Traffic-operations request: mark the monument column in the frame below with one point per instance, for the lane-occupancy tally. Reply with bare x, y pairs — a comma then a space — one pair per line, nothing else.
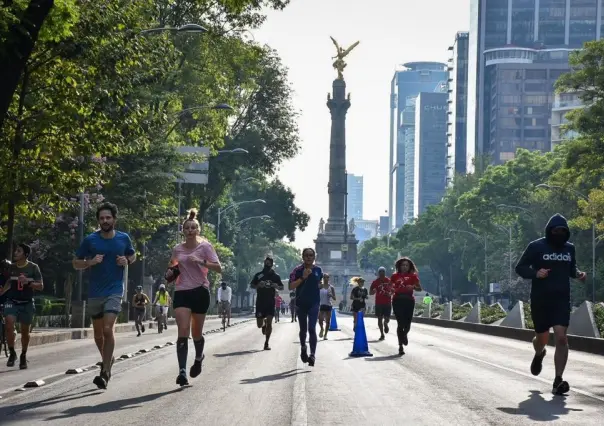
336, 247
338, 107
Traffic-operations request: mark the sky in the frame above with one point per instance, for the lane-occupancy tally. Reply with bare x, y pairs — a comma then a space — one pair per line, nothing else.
391, 33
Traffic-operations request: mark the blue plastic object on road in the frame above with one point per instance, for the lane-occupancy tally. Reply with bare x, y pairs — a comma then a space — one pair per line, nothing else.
333, 323
360, 347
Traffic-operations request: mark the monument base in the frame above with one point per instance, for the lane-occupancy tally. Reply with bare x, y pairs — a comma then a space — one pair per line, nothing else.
338, 259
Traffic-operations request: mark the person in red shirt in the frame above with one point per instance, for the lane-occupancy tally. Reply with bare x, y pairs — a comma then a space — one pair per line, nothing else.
404, 282
382, 288
278, 301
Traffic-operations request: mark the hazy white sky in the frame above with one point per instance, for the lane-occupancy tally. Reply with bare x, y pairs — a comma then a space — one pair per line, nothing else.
391, 32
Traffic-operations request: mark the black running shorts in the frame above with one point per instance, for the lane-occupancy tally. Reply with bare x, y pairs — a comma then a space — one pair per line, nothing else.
550, 313
264, 310
325, 308
197, 300
383, 310
357, 305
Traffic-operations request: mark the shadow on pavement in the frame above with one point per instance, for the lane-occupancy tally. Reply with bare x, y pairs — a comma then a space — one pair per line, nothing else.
273, 377
342, 339
118, 405
237, 353
538, 409
384, 358
13, 409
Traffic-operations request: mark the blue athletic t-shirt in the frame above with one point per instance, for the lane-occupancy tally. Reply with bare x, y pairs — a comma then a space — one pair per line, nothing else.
106, 278
307, 293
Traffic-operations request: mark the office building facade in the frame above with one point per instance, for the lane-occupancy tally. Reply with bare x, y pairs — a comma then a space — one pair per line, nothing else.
430, 150
354, 201
563, 104
411, 79
458, 105
516, 49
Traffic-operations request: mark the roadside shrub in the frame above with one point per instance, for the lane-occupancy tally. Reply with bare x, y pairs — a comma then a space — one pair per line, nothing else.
528, 321
490, 314
598, 310
461, 311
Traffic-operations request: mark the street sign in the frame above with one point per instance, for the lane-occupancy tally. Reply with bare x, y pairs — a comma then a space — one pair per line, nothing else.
195, 173
344, 247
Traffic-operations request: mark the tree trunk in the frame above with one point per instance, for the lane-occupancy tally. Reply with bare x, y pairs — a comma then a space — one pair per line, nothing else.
19, 44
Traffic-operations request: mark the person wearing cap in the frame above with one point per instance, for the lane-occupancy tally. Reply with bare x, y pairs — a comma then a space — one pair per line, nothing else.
19, 307
162, 300
382, 288
266, 283
140, 301
358, 295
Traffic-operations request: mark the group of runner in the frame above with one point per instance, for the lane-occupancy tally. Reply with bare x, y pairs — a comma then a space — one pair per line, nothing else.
549, 262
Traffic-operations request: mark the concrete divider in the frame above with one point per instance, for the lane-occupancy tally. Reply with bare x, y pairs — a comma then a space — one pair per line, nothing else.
576, 343
515, 318
44, 337
427, 311
447, 312
583, 323
474, 315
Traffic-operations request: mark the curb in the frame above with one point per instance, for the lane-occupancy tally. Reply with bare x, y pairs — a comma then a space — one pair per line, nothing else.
63, 335
576, 343
123, 357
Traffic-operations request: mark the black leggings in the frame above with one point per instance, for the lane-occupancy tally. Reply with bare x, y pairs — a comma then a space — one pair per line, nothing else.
403, 308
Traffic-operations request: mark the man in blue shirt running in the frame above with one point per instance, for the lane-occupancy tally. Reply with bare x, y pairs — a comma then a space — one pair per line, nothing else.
306, 281
106, 252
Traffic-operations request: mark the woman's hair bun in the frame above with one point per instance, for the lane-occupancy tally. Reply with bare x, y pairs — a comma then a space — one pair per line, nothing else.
192, 214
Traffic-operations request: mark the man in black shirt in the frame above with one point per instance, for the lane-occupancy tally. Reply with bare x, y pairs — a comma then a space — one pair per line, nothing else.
292, 305
266, 283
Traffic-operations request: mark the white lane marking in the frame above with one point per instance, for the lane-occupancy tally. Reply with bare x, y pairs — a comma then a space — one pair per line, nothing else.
520, 373
299, 408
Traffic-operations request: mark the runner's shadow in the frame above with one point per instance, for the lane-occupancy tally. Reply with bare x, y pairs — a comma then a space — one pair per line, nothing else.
273, 377
237, 353
117, 405
538, 409
9, 410
342, 339
384, 358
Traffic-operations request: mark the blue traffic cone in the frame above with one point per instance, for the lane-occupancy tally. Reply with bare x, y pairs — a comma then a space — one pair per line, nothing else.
360, 347
333, 323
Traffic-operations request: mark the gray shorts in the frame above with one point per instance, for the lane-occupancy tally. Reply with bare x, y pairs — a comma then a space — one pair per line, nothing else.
97, 307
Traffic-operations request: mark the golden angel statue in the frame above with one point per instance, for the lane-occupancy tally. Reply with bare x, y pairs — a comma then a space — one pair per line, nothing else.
339, 63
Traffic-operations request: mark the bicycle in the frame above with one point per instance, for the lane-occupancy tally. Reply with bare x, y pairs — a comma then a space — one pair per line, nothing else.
162, 312
223, 308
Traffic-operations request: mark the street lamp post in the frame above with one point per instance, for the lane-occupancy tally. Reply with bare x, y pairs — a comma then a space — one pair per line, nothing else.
187, 28
594, 239
229, 207
486, 275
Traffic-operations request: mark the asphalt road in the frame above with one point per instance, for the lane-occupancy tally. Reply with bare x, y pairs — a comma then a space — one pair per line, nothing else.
448, 377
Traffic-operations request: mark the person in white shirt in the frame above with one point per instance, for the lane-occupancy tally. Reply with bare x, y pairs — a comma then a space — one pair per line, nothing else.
225, 293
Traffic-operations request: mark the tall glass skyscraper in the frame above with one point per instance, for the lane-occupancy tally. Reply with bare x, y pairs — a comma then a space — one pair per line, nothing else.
354, 200
407, 83
458, 106
430, 150
517, 49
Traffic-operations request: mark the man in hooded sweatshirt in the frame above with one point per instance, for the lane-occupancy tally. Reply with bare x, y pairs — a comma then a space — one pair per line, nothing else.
550, 263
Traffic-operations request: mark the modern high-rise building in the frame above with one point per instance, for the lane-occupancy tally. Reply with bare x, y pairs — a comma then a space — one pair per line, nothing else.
413, 78
430, 150
563, 104
517, 50
458, 106
354, 201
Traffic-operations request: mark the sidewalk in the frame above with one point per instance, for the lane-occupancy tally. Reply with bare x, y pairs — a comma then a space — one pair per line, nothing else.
47, 335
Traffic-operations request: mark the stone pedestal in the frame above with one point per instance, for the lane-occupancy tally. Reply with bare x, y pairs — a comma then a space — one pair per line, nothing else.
78, 314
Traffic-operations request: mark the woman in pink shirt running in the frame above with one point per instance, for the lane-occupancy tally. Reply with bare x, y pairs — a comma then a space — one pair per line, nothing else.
189, 265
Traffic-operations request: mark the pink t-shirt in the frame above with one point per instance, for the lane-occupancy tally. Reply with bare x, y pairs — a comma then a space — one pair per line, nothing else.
193, 275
